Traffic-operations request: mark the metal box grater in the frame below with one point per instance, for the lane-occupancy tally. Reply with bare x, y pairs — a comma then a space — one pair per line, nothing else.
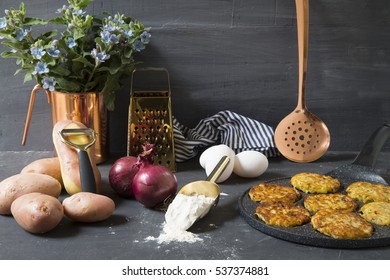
150, 120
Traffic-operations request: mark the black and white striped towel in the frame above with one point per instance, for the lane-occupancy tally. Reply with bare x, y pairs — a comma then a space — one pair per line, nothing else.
236, 131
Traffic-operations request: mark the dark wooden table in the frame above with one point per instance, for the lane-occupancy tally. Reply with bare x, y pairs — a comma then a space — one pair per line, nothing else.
225, 233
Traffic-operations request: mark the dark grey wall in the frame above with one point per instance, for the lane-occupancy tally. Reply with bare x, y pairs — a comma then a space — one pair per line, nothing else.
239, 55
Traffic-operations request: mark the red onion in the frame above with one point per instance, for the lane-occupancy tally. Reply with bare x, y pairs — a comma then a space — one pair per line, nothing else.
121, 175
153, 184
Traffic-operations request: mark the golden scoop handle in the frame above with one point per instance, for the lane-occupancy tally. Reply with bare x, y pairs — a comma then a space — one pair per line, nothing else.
218, 169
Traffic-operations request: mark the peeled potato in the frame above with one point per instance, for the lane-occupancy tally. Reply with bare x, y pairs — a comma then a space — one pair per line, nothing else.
37, 212
88, 207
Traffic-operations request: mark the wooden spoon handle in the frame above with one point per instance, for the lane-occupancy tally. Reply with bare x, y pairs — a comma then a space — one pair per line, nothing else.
302, 7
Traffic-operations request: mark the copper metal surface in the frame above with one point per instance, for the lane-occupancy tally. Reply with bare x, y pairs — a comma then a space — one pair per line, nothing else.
87, 108
302, 136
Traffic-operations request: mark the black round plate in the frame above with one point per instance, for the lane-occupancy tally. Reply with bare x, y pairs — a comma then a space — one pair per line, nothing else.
305, 234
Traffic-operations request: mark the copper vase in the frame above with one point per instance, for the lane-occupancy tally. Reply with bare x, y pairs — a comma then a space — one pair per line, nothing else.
87, 108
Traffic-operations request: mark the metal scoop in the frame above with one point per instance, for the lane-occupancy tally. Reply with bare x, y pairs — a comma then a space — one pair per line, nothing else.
181, 214
207, 187
81, 139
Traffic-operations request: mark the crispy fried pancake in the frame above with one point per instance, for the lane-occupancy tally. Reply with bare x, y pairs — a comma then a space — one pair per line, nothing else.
283, 214
367, 192
271, 193
315, 183
377, 213
331, 201
342, 225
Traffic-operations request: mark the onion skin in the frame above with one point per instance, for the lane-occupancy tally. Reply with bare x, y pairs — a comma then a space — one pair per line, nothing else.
153, 184
121, 175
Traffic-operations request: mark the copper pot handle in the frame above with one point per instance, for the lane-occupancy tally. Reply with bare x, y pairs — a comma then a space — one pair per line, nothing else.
30, 109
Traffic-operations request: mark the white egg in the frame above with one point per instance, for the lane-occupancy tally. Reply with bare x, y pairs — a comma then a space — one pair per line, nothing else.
219, 150
250, 164
214, 156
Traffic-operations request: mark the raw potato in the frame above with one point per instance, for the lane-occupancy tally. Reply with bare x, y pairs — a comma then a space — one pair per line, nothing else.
68, 158
48, 166
20, 184
37, 212
88, 207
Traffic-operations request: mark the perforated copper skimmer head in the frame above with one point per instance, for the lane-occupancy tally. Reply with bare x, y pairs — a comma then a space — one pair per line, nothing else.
302, 136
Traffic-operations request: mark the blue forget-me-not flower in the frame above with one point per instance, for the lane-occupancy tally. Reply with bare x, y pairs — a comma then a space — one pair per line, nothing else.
53, 51
71, 43
145, 37
109, 38
40, 68
48, 83
21, 33
37, 52
3, 23
99, 56
138, 45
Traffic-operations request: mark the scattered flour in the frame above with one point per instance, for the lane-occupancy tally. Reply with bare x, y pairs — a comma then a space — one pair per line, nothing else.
182, 213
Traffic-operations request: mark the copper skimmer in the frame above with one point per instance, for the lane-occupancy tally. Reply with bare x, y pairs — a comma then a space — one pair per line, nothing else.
301, 136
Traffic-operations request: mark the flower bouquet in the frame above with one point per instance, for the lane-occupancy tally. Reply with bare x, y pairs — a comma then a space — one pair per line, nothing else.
85, 54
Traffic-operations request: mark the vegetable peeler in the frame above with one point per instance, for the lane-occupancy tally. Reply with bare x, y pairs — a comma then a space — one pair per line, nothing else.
81, 139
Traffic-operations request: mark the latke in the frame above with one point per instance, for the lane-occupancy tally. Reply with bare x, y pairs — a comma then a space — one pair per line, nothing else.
332, 201
341, 225
376, 212
271, 193
283, 214
315, 183
368, 192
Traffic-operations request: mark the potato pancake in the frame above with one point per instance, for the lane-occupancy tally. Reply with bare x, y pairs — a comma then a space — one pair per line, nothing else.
332, 201
377, 213
315, 183
271, 193
283, 214
368, 192
341, 225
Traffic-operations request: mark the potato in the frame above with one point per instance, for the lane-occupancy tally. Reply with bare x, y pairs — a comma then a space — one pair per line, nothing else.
37, 212
19, 184
48, 166
68, 158
88, 207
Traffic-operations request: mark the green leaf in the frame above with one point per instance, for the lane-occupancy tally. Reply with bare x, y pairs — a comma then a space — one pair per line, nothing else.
128, 52
11, 55
115, 65
48, 35
15, 45
6, 34
60, 71
109, 91
35, 21
22, 8
84, 3
98, 41
28, 77
84, 61
49, 60
103, 69
78, 33
58, 20
67, 85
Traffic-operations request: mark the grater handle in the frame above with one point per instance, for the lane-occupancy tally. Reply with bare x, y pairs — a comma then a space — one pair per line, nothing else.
154, 69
